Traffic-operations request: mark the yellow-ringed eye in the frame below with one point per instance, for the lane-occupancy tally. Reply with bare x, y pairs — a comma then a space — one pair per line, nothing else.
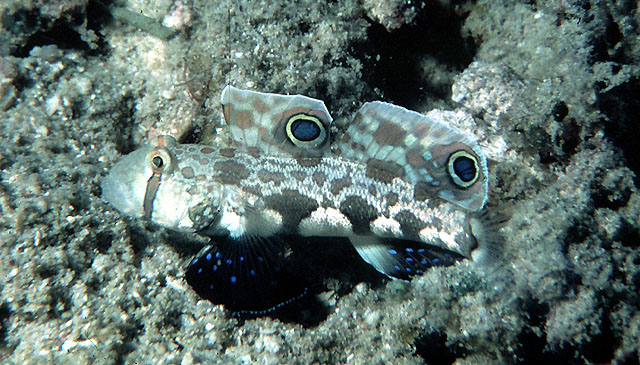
160, 159
463, 168
157, 162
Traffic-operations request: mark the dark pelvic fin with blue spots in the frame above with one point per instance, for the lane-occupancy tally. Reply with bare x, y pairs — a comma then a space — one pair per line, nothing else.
246, 275
402, 259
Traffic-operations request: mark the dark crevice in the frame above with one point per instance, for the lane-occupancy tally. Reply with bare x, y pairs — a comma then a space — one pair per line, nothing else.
601, 348
628, 235
103, 241
5, 313
62, 32
532, 348
614, 197
124, 129
397, 57
129, 331
59, 301
621, 105
433, 348
603, 46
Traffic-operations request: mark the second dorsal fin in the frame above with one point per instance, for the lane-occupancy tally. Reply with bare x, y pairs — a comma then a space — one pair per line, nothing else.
293, 125
439, 160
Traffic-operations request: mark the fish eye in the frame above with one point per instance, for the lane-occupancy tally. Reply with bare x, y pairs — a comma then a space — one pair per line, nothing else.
160, 159
463, 168
305, 130
157, 162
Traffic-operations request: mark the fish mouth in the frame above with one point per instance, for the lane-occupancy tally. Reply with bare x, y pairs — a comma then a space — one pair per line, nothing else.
124, 186
120, 196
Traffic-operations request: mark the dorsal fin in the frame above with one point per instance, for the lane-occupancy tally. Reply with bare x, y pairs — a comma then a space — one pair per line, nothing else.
293, 125
437, 159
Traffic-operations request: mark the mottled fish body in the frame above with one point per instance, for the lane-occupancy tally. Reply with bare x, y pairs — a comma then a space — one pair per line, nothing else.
402, 187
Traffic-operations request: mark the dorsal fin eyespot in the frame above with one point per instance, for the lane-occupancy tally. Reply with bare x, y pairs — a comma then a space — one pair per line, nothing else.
264, 121
439, 160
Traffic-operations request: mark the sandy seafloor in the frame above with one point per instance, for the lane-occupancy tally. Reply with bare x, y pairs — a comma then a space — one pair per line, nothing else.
554, 88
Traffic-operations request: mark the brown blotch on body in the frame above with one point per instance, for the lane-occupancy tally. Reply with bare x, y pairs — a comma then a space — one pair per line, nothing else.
243, 120
252, 189
207, 150
264, 133
187, 172
273, 176
410, 224
339, 184
293, 206
260, 107
359, 213
195, 157
372, 190
419, 131
228, 152
357, 121
319, 178
383, 171
357, 146
346, 137
391, 199
230, 172
201, 178
253, 151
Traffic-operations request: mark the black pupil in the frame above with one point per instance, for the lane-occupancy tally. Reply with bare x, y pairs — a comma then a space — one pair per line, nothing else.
305, 130
464, 168
157, 162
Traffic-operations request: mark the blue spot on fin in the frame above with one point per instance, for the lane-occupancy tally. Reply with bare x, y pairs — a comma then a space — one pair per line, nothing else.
402, 259
258, 283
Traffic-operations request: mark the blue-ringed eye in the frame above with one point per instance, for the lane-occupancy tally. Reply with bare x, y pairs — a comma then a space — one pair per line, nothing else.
463, 168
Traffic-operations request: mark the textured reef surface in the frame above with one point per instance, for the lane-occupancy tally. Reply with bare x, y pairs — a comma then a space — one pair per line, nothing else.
554, 91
